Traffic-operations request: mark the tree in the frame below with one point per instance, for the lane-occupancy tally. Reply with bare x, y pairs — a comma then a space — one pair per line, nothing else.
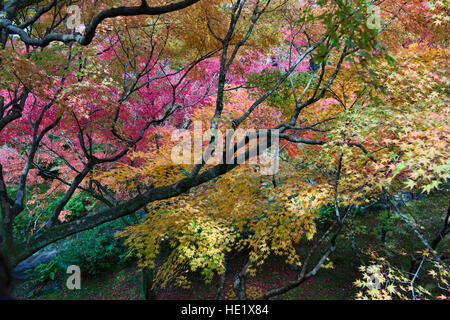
358, 126
33, 84
108, 134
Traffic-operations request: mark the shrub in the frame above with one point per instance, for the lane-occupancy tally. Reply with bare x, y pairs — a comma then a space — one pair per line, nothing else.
45, 272
95, 250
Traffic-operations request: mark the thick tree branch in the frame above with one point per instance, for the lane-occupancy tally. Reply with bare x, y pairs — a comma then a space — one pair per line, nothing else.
89, 34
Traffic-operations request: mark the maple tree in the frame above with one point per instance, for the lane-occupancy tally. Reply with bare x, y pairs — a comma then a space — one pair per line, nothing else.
92, 112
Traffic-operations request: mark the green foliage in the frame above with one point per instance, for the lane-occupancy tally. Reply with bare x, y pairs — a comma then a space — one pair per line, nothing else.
20, 226
326, 213
79, 205
95, 250
45, 272
281, 98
